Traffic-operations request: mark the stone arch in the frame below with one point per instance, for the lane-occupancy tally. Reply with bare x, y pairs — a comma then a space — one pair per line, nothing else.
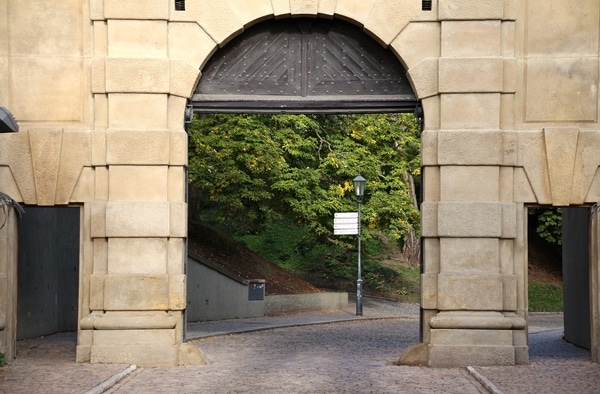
303, 65
506, 105
413, 37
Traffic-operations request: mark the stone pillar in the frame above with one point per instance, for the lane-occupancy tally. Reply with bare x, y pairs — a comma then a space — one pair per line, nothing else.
473, 290
135, 228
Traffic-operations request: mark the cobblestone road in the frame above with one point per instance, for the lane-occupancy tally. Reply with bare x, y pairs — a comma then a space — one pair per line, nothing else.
340, 357
347, 357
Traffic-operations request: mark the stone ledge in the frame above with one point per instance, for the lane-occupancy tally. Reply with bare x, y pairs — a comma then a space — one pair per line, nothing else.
129, 321
477, 320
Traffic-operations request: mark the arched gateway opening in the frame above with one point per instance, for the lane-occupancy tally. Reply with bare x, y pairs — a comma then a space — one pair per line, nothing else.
303, 66
295, 66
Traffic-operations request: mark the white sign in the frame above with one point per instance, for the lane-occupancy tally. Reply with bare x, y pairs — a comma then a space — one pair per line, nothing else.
345, 223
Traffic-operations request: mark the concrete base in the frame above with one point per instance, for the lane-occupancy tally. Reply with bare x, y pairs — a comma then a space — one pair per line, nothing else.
305, 302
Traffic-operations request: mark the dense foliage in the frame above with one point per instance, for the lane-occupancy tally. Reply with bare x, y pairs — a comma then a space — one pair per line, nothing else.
548, 224
249, 169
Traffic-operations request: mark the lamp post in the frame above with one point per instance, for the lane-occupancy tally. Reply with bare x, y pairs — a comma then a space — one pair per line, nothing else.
359, 191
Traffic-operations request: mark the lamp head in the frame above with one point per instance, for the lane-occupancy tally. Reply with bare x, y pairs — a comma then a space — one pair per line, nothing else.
359, 186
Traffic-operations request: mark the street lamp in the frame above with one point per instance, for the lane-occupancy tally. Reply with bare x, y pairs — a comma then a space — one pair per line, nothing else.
359, 191
8, 124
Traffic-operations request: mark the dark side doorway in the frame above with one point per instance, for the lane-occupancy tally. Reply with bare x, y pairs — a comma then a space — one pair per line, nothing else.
48, 271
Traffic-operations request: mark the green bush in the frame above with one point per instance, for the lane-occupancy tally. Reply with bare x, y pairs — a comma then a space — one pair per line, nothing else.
3, 360
545, 297
294, 248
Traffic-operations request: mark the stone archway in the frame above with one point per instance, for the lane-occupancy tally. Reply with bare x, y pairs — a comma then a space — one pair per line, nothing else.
303, 65
511, 118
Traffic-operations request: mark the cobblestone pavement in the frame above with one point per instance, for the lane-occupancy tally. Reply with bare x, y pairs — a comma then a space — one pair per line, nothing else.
47, 366
348, 356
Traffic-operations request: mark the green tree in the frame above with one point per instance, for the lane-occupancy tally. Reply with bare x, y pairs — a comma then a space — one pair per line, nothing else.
300, 167
548, 224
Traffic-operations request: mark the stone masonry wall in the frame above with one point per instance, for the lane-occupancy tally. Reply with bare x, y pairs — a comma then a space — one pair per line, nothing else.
509, 91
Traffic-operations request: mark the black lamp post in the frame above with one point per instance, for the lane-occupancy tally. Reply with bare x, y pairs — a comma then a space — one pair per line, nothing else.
359, 191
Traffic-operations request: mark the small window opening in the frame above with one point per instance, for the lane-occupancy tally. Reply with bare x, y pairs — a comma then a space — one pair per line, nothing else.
179, 5
426, 5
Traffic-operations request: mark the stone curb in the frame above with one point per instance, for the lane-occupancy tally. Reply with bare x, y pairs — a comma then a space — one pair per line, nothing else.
489, 386
110, 382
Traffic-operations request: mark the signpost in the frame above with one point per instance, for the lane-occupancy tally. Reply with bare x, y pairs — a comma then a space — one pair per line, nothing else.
348, 223
345, 223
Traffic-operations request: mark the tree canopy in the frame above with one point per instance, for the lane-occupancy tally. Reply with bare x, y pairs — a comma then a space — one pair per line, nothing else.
251, 168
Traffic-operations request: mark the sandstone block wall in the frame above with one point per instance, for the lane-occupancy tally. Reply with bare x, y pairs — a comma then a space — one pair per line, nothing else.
509, 92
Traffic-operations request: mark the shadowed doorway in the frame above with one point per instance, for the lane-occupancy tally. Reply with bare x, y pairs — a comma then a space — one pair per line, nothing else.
48, 271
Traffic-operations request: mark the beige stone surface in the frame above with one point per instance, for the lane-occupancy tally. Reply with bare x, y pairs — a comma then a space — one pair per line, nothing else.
177, 184
379, 24
176, 256
429, 151
137, 111
554, 84
137, 219
462, 111
424, 78
135, 75
189, 42
594, 191
470, 147
442, 356
177, 292
37, 82
178, 215
45, 152
222, 21
509, 91
454, 34
4, 81
471, 75
297, 7
3, 29
138, 183
417, 41
140, 9
470, 292
569, 34
470, 255
183, 78
128, 292
100, 31
470, 9
429, 293
137, 256
586, 166
142, 355
50, 38
357, 11
561, 146
84, 190
137, 38
470, 183
137, 147
472, 337
9, 185
327, 7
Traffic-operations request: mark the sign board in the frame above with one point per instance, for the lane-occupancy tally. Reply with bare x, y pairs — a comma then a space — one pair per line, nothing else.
345, 223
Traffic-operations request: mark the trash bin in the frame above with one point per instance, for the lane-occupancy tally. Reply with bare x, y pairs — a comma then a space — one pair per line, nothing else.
256, 290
